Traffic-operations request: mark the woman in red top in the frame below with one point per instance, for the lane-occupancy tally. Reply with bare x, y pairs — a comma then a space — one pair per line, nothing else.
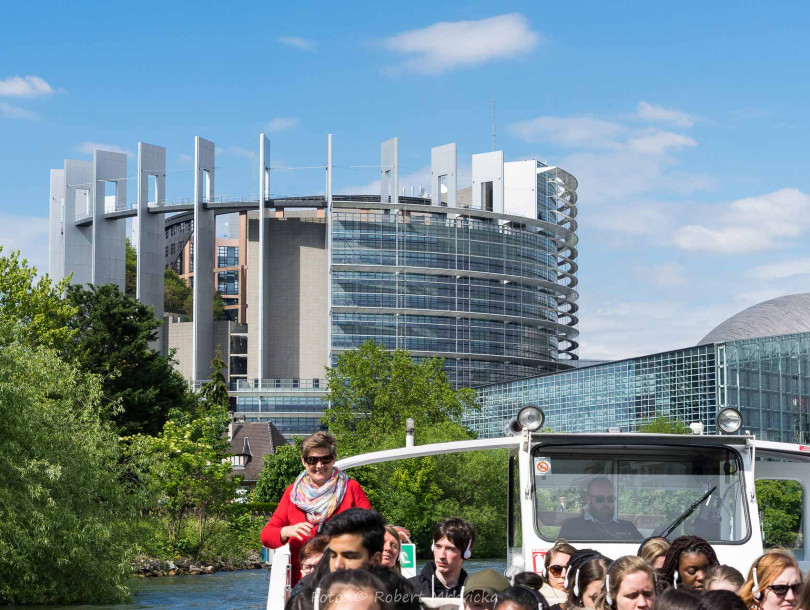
318, 493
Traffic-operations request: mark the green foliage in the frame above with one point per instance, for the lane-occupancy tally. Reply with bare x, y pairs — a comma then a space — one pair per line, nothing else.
781, 505
278, 472
131, 274
664, 425
112, 338
64, 511
176, 292
219, 306
215, 391
188, 470
35, 308
372, 392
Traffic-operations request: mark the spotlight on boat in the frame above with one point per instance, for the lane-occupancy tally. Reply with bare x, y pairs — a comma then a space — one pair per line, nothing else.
729, 420
531, 418
512, 428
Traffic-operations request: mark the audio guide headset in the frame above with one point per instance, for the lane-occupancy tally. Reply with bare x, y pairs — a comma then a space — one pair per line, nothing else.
467, 551
755, 590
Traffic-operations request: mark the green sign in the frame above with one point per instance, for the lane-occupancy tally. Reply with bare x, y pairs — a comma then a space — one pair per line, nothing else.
407, 557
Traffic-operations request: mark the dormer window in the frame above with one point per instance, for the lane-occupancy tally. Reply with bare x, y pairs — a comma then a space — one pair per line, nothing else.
239, 460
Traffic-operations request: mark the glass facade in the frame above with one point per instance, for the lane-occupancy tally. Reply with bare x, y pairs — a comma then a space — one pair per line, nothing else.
479, 290
767, 379
227, 256
294, 406
228, 282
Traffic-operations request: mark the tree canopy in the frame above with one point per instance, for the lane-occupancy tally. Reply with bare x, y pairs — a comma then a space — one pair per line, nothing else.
664, 425
140, 385
372, 392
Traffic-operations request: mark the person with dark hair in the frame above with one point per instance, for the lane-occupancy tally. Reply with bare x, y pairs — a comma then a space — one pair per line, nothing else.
724, 578
518, 598
351, 590
585, 579
318, 493
533, 580
453, 541
677, 599
720, 599
688, 562
599, 521
402, 593
355, 541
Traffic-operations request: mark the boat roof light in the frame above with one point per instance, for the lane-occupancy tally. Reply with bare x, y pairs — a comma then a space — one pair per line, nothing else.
729, 420
531, 418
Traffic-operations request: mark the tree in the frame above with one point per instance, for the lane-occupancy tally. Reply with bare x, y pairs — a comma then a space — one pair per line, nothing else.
36, 308
215, 391
65, 513
780, 502
372, 392
279, 471
189, 468
131, 274
175, 292
140, 385
664, 425
219, 306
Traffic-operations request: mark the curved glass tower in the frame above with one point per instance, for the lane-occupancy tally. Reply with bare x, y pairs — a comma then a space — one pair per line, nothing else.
491, 292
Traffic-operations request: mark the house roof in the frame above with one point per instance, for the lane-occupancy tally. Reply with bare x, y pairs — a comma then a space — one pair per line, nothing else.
255, 440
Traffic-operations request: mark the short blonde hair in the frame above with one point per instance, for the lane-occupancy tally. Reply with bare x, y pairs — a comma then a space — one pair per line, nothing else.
619, 569
654, 548
319, 440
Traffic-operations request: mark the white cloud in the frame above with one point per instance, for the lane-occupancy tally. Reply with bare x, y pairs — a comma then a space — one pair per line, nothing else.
281, 124
648, 112
29, 234
303, 44
237, 151
659, 142
454, 44
420, 177
781, 270
751, 224
185, 159
24, 86
571, 132
637, 218
7, 111
87, 148
664, 275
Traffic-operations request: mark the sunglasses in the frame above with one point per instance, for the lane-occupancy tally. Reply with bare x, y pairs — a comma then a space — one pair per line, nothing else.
323, 459
781, 590
603, 499
557, 571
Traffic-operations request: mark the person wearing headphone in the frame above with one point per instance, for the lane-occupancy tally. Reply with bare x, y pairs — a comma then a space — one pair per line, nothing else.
584, 579
774, 582
453, 540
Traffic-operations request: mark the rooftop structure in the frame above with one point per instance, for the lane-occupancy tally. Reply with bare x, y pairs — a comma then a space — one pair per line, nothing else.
484, 276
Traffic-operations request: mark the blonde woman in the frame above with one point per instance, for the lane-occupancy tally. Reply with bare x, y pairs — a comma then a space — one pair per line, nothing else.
774, 582
629, 585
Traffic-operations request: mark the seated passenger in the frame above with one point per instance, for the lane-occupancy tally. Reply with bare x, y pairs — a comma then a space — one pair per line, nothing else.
352, 590
599, 521
654, 550
724, 578
482, 587
519, 598
555, 568
585, 579
452, 544
688, 562
311, 553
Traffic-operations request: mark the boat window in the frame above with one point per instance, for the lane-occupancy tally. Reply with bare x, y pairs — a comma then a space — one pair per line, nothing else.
609, 493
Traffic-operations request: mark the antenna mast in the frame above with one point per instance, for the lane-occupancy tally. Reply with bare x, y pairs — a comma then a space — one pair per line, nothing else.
493, 124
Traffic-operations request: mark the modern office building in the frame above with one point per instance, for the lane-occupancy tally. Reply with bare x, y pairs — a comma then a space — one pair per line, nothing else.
757, 361
484, 277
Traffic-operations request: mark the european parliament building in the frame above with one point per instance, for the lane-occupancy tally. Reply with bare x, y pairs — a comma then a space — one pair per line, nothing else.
757, 361
483, 276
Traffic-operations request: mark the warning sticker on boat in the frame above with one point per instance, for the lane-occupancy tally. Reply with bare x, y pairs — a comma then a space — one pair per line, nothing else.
542, 466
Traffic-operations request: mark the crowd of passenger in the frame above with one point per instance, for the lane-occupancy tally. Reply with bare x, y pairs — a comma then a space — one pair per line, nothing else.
348, 558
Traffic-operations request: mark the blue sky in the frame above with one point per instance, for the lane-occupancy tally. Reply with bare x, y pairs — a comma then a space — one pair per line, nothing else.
686, 124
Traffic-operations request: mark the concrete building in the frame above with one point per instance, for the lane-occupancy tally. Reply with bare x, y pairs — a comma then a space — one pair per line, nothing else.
484, 277
757, 361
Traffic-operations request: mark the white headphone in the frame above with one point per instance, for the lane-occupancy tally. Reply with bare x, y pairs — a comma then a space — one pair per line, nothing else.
467, 552
317, 598
755, 592
675, 579
608, 599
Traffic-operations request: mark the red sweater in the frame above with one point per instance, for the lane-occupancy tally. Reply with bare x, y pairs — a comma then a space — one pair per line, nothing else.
288, 513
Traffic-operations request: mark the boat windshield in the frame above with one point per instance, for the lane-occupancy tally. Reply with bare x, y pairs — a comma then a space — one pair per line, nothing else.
609, 493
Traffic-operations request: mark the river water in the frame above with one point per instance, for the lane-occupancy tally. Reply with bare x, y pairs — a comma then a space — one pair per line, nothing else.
244, 589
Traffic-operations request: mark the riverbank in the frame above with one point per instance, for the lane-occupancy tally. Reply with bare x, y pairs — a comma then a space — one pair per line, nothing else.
146, 567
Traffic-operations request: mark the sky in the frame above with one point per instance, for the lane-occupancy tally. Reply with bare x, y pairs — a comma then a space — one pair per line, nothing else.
686, 124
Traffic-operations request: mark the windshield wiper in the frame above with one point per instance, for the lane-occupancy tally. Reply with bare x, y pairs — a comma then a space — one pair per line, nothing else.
686, 513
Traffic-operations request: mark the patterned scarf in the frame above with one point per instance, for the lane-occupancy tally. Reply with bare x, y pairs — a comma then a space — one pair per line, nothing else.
319, 502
